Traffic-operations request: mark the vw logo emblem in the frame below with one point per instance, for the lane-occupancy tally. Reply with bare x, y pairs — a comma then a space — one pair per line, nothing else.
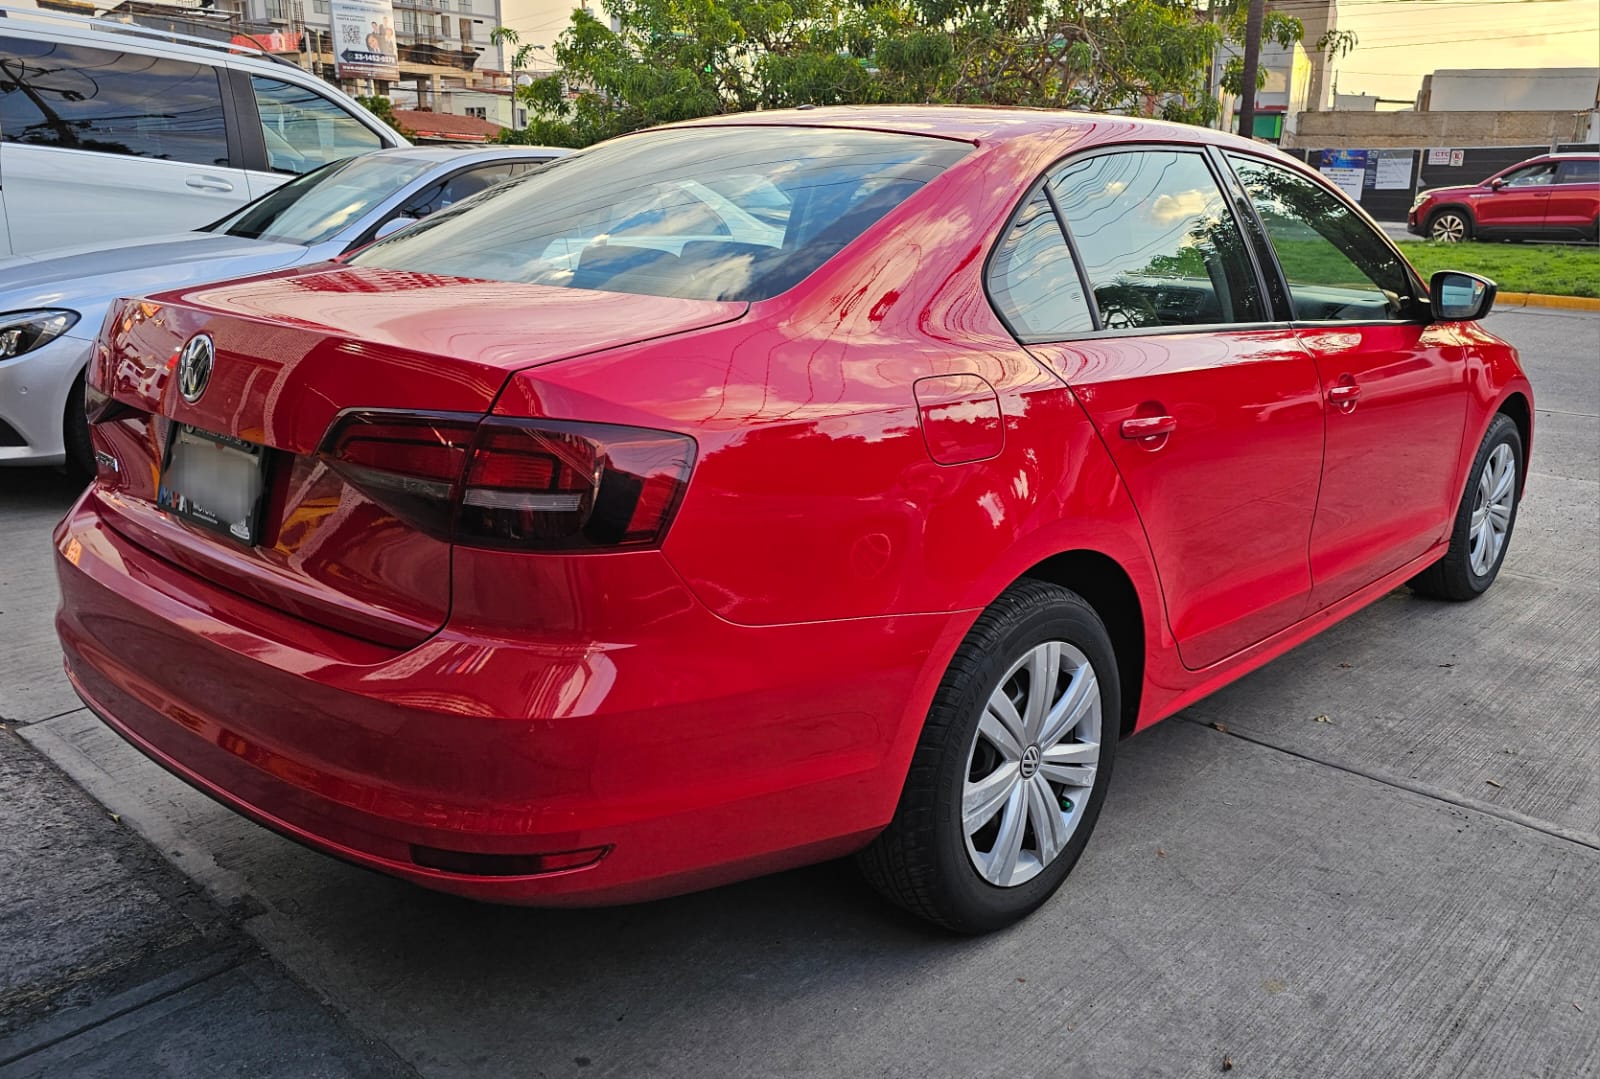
194, 367
1030, 761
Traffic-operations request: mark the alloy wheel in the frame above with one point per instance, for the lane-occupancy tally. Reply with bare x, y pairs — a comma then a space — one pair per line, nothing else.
1491, 509
1449, 228
1032, 764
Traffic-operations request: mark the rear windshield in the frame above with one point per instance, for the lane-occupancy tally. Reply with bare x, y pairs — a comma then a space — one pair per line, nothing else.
699, 213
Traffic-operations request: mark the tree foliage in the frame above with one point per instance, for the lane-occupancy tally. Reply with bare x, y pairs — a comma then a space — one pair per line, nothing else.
383, 109
679, 59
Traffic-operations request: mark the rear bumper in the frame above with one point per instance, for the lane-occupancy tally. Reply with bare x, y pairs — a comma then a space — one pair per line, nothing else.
696, 753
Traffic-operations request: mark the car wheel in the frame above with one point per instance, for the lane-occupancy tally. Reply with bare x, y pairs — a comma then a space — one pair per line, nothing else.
1484, 520
1450, 226
1011, 769
75, 436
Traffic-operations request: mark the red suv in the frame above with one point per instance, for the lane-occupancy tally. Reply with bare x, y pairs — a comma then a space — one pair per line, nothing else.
1554, 197
771, 488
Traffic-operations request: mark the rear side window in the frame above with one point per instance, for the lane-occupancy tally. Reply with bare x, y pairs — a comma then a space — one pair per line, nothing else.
1032, 279
77, 98
1336, 266
1159, 245
699, 213
304, 130
1586, 171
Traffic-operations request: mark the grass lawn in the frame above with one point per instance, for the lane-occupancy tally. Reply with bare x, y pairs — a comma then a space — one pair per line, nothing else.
1555, 269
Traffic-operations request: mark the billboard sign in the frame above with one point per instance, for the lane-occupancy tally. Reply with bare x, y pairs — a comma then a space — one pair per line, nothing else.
363, 39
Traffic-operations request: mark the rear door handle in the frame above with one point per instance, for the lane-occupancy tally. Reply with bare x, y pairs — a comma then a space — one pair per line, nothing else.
208, 183
1344, 396
1148, 427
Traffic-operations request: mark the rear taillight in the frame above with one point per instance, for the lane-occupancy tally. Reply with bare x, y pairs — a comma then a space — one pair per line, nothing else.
547, 485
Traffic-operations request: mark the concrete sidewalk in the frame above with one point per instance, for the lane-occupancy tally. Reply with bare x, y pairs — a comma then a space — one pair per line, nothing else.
1410, 888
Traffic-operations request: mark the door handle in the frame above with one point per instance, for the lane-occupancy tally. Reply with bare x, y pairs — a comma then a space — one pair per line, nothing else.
1143, 427
1344, 396
208, 183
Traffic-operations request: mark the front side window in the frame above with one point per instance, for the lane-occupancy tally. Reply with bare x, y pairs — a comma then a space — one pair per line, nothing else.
699, 213
1541, 175
1032, 279
1582, 171
305, 130
1335, 264
1159, 245
313, 207
77, 98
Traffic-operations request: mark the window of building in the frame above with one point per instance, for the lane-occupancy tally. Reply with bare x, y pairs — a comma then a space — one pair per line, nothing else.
478, 112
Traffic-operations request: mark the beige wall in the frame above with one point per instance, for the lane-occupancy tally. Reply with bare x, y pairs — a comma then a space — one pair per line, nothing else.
1333, 130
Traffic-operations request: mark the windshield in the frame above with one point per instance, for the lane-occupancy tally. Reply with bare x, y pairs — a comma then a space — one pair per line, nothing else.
698, 213
313, 207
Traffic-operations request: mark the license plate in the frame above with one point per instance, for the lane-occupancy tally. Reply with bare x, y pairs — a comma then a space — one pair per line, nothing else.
217, 481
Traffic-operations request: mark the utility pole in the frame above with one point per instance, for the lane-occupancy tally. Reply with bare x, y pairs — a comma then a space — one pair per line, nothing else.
1252, 61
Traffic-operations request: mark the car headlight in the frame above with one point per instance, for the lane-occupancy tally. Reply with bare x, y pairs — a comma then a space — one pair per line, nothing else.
1419, 200
24, 331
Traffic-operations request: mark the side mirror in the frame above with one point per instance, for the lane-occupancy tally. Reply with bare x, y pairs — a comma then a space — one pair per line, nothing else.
1460, 297
1497, 183
392, 226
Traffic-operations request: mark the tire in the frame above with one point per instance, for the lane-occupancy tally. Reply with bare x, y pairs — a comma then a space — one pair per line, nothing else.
926, 861
75, 436
1466, 571
1450, 226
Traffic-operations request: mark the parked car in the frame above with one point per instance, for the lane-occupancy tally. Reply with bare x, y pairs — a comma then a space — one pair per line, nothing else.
1550, 197
52, 306
533, 556
110, 130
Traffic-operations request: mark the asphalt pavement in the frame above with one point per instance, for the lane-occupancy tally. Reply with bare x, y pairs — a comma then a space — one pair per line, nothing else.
1377, 856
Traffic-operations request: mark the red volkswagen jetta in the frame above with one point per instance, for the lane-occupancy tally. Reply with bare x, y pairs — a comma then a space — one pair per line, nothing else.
771, 488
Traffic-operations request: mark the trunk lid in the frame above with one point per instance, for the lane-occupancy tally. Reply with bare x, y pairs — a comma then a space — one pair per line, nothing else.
293, 351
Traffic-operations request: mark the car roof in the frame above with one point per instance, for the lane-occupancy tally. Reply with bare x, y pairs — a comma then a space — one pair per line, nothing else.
110, 34
979, 123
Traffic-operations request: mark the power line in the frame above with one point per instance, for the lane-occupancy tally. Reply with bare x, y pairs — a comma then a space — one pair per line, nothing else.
1460, 40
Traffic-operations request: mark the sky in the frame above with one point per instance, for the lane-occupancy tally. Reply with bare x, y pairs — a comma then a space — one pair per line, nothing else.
1402, 40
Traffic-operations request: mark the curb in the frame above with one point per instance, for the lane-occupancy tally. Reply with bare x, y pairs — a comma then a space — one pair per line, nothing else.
1539, 299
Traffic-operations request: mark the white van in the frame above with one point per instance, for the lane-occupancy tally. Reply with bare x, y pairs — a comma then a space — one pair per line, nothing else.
110, 131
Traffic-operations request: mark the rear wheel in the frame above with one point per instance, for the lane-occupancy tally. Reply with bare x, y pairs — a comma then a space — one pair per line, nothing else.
1450, 226
1012, 767
1484, 519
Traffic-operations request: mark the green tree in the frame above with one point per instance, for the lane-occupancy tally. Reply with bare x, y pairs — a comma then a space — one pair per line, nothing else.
674, 60
383, 109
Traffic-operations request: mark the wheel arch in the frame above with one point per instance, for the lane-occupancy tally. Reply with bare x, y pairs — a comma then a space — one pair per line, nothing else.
1107, 587
1516, 406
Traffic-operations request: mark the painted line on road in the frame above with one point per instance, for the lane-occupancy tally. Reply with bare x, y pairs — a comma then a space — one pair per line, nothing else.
1426, 790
